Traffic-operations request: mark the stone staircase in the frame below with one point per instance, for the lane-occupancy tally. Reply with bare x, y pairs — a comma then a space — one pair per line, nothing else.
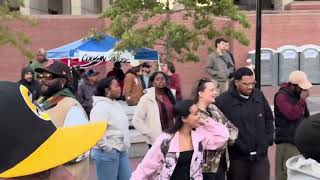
138, 145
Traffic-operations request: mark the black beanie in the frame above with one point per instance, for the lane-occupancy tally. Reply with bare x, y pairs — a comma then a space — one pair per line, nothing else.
25, 70
307, 137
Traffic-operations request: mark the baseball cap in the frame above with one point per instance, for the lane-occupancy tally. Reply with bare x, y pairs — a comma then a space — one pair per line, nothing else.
300, 78
91, 72
307, 137
55, 67
30, 142
134, 63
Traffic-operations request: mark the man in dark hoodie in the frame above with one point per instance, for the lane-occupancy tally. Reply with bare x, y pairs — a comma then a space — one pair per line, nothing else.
290, 110
247, 108
28, 80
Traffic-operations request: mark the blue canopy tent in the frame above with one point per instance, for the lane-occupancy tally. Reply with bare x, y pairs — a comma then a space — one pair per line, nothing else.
89, 52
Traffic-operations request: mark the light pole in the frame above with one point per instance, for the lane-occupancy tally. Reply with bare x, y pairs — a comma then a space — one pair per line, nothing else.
258, 44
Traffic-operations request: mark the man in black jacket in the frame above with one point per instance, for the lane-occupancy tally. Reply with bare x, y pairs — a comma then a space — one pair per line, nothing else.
248, 109
290, 109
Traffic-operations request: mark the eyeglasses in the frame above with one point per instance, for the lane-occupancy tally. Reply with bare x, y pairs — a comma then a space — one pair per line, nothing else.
46, 76
248, 84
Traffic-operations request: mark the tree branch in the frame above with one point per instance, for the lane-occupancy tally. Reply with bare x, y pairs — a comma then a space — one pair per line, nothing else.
162, 39
181, 10
160, 44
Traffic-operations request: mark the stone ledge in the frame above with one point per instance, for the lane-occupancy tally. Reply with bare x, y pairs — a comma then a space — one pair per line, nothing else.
136, 137
303, 5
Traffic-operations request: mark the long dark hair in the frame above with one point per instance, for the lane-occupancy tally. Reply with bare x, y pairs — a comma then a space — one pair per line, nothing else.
103, 84
171, 67
166, 90
200, 86
181, 110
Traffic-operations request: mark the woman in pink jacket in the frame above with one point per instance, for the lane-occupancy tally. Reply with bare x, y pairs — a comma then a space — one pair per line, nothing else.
178, 152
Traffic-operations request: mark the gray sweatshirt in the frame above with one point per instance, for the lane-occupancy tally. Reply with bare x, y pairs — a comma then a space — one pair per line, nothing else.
300, 168
117, 132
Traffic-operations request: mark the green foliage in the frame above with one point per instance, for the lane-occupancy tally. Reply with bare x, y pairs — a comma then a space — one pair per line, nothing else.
94, 34
146, 23
10, 36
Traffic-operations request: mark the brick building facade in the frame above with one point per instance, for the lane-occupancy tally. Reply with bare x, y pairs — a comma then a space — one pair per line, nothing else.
278, 28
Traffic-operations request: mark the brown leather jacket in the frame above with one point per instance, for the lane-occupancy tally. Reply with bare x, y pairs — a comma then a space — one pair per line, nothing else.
132, 89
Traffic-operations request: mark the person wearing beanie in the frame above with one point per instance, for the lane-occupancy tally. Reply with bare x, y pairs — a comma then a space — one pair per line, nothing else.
28, 80
290, 109
87, 90
307, 165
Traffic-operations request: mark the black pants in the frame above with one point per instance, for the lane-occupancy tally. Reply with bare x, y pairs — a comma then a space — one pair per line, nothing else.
220, 174
249, 170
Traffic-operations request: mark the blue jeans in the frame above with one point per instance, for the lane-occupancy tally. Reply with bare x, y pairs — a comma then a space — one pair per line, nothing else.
111, 165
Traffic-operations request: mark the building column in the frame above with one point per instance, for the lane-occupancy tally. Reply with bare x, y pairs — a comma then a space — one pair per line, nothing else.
76, 7
66, 6
26, 9
105, 4
33, 7
280, 4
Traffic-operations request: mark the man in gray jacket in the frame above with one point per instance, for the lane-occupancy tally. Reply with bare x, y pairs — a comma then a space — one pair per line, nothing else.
220, 65
87, 90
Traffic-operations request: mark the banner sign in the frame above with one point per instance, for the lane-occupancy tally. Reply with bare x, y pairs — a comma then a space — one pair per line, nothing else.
111, 55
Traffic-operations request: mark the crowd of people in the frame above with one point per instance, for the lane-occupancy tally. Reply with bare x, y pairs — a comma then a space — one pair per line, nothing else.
222, 131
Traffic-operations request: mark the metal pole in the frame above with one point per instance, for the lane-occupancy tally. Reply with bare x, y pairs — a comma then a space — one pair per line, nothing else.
258, 45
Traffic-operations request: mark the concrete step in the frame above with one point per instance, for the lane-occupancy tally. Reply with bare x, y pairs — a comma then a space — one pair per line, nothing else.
138, 146
138, 143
